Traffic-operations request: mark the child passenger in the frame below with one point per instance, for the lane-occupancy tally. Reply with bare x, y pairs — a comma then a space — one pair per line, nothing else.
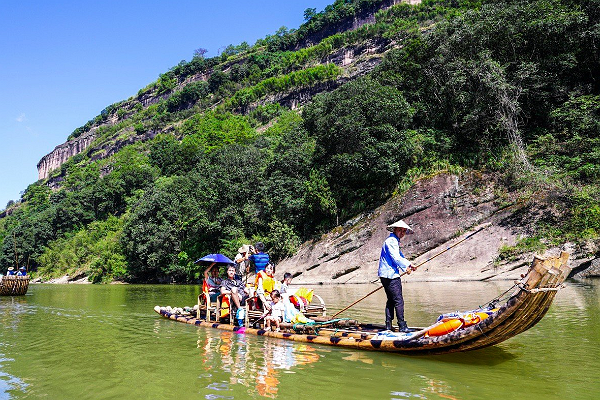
277, 310
285, 283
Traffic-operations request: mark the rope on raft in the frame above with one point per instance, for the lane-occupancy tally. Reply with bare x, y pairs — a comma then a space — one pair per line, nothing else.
492, 303
542, 289
297, 327
518, 284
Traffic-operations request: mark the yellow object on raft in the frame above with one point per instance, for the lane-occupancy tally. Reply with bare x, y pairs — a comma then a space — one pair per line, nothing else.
305, 292
474, 318
225, 306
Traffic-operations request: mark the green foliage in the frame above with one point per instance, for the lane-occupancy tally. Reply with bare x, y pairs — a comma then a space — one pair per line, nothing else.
361, 146
265, 113
187, 213
524, 245
166, 83
295, 79
213, 130
282, 240
585, 221
187, 96
94, 251
574, 142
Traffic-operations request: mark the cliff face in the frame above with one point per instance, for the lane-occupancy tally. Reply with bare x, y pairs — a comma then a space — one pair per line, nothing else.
356, 61
442, 210
367, 16
63, 152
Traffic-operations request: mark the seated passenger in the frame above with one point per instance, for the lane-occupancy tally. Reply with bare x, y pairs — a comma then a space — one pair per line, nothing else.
10, 272
212, 282
22, 271
285, 283
275, 312
265, 284
234, 287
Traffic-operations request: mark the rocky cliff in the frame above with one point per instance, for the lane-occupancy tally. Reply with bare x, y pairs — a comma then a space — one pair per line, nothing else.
63, 152
355, 60
442, 210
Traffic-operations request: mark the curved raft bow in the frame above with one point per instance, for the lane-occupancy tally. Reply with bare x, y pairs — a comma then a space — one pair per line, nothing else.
529, 302
14, 285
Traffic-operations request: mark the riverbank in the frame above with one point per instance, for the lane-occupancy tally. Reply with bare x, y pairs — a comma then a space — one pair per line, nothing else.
442, 210
63, 280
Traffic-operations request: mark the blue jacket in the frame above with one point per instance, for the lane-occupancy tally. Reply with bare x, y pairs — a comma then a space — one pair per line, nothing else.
392, 261
260, 261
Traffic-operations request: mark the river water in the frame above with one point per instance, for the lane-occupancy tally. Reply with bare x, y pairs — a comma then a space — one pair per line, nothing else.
106, 342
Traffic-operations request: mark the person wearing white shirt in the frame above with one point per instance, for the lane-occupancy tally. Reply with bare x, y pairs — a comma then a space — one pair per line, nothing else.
392, 264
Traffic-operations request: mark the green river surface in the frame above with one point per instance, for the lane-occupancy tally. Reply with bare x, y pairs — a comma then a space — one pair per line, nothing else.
106, 342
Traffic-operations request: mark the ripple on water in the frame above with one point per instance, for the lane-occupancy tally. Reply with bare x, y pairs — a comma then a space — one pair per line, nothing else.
103, 341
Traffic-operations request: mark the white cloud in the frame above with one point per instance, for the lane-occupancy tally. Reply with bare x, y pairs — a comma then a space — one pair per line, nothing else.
21, 118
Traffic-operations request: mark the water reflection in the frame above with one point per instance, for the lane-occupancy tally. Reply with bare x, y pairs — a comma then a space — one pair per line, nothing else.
10, 384
12, 310
255, 363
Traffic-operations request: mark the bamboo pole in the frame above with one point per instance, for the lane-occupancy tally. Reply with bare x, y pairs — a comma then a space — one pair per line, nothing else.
415, 268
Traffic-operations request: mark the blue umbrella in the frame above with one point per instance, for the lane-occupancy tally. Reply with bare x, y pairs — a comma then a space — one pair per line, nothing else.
215, 258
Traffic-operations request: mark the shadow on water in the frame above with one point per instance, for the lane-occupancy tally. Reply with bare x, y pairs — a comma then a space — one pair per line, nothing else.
490, 356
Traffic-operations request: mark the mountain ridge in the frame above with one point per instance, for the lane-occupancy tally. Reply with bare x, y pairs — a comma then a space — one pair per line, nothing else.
283, 145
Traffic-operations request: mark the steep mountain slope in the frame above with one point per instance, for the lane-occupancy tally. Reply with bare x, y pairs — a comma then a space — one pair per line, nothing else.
309, 128
184, 86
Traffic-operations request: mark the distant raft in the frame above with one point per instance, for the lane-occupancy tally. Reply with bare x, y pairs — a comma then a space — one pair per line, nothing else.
13, 285
476, 329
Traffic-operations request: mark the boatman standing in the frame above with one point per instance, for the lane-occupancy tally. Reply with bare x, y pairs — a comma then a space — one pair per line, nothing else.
391, 264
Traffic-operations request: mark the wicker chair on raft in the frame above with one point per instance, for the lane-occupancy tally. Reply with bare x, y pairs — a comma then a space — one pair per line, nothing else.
221, 309
13, 285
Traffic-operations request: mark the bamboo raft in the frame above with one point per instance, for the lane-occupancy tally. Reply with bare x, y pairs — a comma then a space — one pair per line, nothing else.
13, 285
526, 306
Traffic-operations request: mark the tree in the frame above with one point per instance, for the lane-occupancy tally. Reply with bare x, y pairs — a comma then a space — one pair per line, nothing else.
309, 13
361, 146
200, 52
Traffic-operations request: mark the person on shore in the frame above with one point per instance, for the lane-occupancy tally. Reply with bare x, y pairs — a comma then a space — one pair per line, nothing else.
22, 271
234, 287
212, 281
242, 261
275, 312
260, 259
391, 264
11, 271
265, 284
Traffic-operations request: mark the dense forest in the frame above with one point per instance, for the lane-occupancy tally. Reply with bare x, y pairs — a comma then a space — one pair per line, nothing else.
510, 87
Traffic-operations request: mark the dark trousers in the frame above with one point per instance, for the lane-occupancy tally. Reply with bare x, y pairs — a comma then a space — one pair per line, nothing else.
393, 291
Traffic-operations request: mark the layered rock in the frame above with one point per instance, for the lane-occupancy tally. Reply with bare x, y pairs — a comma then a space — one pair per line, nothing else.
442, 210
63, 152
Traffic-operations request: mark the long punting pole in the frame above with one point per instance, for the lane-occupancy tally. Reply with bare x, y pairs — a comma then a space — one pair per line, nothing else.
405, 272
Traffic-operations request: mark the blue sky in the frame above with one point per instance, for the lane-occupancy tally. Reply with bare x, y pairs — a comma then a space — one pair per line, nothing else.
62, 62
